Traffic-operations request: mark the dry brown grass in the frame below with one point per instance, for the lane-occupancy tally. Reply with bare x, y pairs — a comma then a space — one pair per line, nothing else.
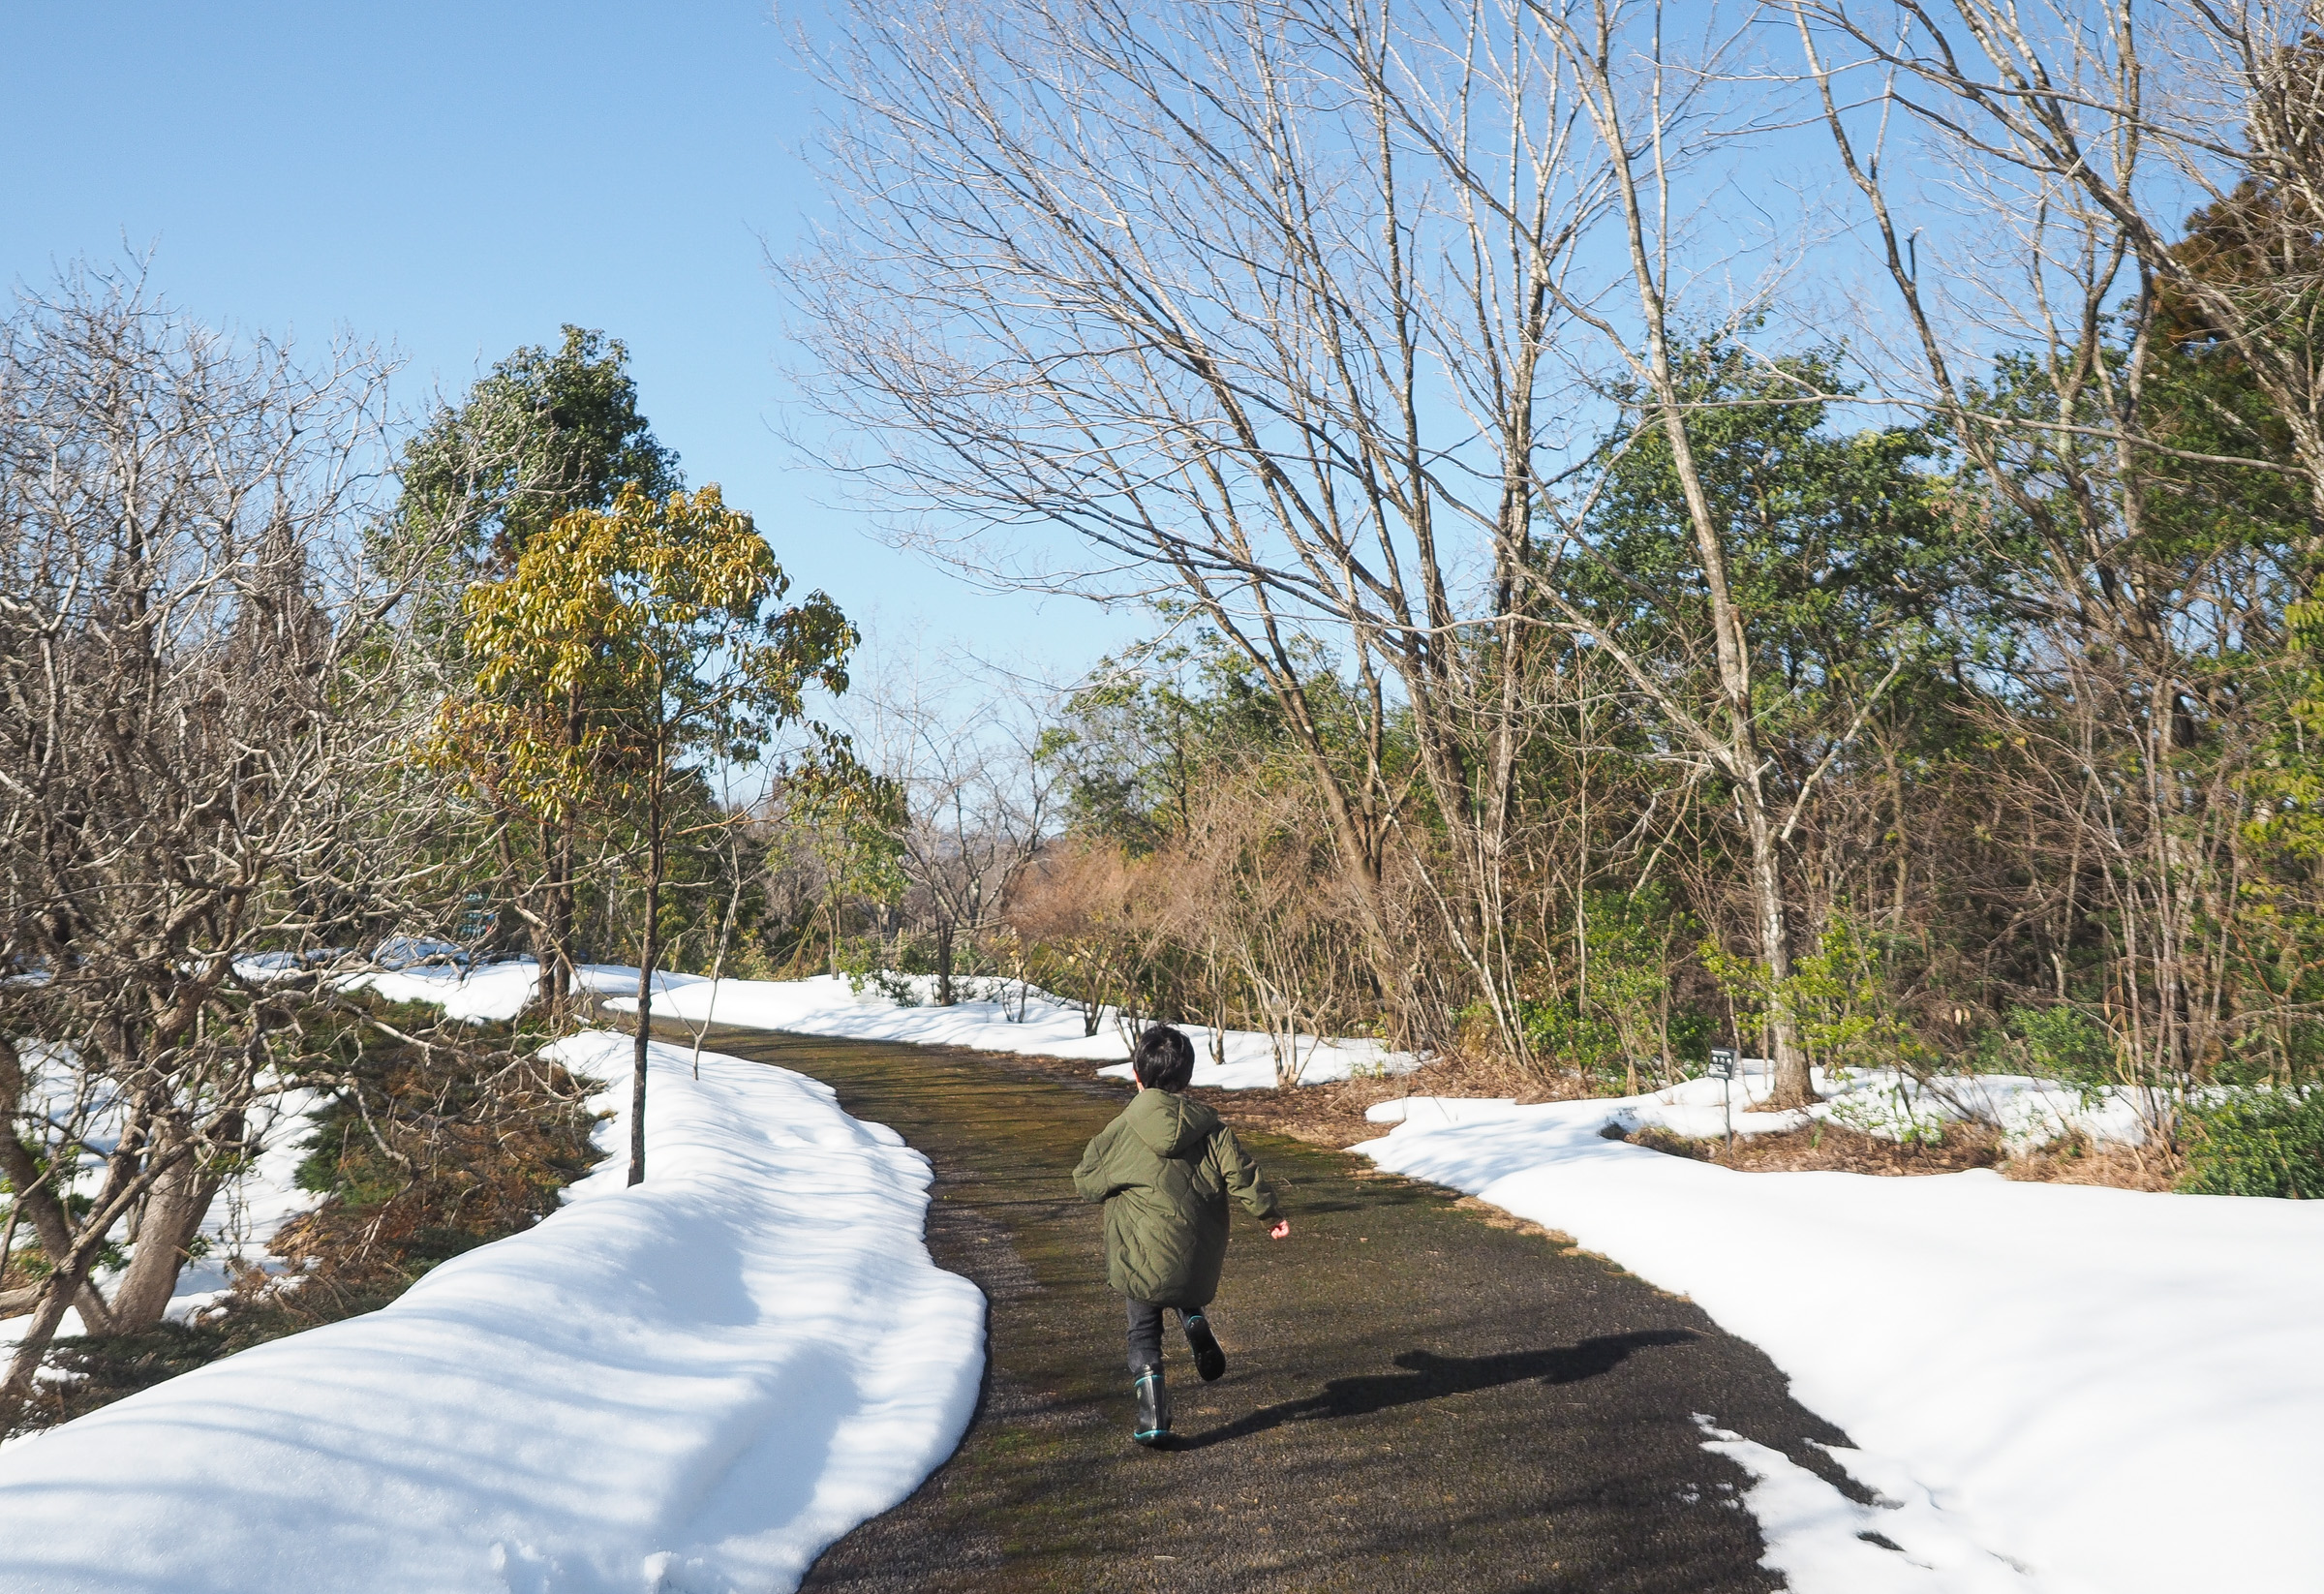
2077, 1161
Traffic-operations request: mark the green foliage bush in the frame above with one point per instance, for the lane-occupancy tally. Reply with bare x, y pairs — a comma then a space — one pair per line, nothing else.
1590, 1046
2257, 1143
869, 961
2064, 1043
1626, 1028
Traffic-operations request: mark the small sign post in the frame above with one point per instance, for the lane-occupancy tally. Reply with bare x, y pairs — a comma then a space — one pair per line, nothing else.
1723, 1069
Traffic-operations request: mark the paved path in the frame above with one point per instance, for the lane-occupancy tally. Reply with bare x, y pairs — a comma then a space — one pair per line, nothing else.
1415, 1398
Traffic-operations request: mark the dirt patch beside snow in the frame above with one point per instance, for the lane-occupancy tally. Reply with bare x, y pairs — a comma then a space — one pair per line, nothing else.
1830, 1148
1836, 1149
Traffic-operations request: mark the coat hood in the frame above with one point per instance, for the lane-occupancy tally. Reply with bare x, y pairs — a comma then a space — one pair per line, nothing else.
1170, 1124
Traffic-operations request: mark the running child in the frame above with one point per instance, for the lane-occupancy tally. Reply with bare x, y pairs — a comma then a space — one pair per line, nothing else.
1164, 1169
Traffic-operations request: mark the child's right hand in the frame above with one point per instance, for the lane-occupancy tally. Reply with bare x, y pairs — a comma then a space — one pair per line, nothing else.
1281, 1229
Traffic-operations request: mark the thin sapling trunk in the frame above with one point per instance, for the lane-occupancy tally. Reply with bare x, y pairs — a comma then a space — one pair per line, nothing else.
648, 957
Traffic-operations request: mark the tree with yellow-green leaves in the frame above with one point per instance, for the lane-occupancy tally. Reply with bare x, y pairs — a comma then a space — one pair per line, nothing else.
547, 431
627, 646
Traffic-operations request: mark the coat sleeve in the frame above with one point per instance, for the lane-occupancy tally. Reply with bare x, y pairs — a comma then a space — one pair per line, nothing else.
1090, 1179
1243, 1177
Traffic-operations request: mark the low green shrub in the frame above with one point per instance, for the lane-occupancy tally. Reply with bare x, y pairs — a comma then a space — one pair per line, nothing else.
2257, 1143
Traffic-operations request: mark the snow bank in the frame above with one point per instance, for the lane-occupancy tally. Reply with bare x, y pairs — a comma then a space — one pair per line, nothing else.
2058, 1390
491, 992
693, 1385
1895, 1105
494, 992
1885, 1102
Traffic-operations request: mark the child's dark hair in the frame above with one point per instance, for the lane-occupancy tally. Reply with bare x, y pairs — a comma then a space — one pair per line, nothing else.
1164, 1060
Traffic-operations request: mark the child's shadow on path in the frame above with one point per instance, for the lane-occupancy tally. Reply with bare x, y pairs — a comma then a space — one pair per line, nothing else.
1428, 1376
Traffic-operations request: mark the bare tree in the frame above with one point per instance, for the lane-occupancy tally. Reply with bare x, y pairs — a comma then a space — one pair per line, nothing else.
1069, 908
1249, 883
959, 747
1189, 305
2100, 125
2071, 140
1315, 314
196, 787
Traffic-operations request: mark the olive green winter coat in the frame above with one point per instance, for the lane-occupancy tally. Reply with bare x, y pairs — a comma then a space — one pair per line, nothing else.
1164, 1168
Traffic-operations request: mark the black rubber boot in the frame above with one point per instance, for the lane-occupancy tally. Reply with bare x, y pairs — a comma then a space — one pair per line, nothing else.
1208, 1359
1154, 1409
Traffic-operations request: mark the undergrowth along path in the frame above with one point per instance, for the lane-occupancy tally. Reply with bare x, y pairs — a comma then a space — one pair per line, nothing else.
1417, 1396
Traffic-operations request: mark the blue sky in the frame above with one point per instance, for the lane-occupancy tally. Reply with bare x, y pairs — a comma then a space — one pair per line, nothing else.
460, 179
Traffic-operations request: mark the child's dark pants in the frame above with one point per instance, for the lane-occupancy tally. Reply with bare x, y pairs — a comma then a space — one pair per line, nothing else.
1145, 1331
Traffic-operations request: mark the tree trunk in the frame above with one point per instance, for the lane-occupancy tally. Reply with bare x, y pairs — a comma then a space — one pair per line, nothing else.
717, 965
647, 958
55, 1297
68, 1286
550, 991
1737, 750
944, 934
555, 946
180, 1199
53, 1230
35, 1199
1093, 1000
1793, 1088
8, 1247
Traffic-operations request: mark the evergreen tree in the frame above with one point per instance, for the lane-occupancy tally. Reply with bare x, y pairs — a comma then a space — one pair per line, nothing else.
544, 435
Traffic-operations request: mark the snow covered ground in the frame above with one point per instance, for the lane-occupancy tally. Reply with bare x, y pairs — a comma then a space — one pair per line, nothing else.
827, 1006
2058, 1390
486, 995
693, 1385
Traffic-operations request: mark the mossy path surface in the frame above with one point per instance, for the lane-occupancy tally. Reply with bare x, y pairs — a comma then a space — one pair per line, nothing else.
1416, 1398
